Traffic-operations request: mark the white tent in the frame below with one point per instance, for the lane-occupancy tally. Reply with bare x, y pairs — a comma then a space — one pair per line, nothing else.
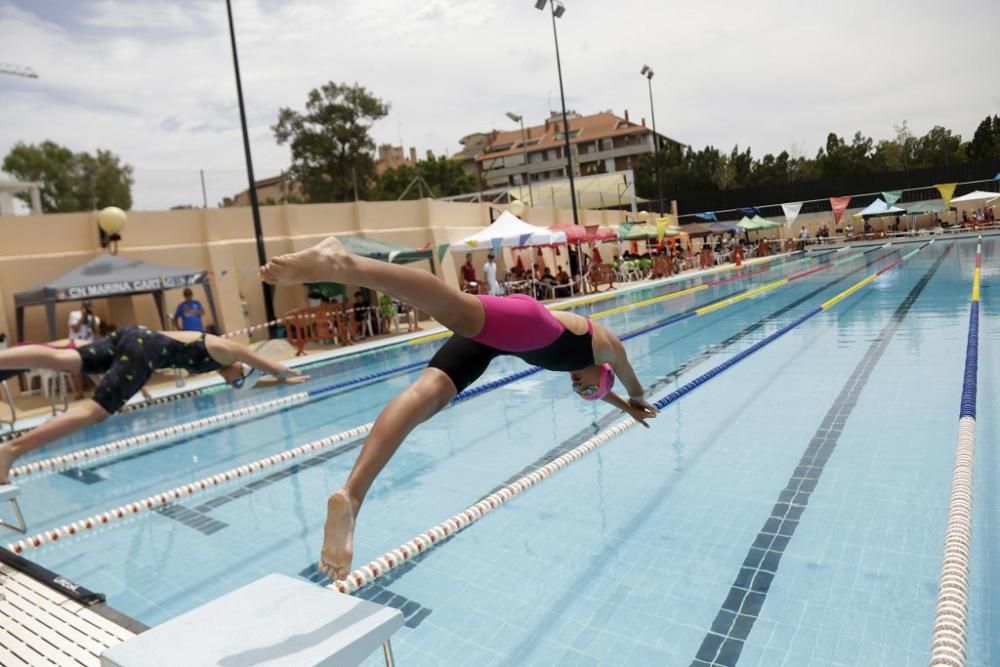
977, 196
511, 231
879, 207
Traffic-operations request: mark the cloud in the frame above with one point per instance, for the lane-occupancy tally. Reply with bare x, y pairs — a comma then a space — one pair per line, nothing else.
153, 80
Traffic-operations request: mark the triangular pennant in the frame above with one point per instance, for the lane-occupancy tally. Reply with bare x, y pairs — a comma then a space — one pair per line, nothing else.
997, 177
442, 251
791, 210
496, 245
523, 239
839, 205
624, 229
708, 215
947, 191
892, 196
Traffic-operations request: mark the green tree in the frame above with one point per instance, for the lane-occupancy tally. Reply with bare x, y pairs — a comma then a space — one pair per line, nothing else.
939, 148
331, 147
72, 181
985, 144
839, 158
443, 176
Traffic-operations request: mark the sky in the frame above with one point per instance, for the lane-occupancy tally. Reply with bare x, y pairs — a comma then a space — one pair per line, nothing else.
152, 80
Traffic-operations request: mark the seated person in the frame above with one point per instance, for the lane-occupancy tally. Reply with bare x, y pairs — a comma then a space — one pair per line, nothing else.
563, 280
549, 280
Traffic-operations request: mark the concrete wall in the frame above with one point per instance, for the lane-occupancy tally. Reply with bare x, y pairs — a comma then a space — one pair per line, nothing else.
37, 248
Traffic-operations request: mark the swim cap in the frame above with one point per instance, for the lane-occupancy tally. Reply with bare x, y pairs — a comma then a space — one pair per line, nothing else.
604, 385
249, 379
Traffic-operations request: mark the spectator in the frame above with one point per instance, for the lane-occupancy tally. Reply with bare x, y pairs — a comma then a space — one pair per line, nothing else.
189, 312
490, 270
362, 311
868, 227
82, 324
469, 274
387, 312
563, 280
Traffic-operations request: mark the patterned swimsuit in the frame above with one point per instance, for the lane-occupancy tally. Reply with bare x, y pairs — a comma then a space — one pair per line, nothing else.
128, 357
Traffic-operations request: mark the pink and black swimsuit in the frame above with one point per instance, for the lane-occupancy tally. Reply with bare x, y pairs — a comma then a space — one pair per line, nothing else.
519, 326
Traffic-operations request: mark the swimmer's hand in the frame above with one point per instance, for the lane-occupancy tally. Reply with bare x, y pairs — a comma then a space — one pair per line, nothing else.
641, 410
291, 376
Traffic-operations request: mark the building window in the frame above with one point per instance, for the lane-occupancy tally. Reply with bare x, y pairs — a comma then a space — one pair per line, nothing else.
607, 144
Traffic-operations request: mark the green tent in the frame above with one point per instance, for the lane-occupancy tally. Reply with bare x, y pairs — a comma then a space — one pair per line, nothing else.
764, 223
925, 207
385, 251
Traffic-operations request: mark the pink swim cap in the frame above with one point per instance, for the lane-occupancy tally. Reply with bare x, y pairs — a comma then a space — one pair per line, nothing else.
604, 385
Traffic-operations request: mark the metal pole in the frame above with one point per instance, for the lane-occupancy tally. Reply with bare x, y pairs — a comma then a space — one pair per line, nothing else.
527, 175
656, 149
562, 97
254, 206
204, 195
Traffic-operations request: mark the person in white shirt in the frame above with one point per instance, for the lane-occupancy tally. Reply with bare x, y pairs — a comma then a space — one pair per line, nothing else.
83, 324
490, 269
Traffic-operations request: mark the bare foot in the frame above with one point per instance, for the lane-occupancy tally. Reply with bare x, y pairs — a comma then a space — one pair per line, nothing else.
338, 536
7, 457
325, 261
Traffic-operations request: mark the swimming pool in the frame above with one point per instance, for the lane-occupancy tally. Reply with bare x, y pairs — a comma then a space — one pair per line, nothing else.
634, 554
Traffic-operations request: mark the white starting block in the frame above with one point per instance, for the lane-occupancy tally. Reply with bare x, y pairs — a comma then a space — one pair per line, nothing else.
9, 493
276, 620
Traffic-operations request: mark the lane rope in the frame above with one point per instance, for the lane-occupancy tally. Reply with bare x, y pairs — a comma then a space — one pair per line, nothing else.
948, 639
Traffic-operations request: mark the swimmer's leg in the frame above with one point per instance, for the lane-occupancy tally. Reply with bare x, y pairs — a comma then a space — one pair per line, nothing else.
85, 414
40, 356
329, 261
426, 397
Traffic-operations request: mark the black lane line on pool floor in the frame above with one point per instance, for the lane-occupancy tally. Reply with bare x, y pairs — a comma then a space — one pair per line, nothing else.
723, 644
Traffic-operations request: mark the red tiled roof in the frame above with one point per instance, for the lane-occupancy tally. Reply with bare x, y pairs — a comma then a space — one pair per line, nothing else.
596, 126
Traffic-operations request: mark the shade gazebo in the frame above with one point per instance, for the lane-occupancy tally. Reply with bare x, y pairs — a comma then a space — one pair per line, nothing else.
107, 276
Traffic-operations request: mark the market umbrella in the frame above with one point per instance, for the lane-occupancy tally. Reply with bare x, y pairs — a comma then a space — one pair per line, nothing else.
574, 233
976, 196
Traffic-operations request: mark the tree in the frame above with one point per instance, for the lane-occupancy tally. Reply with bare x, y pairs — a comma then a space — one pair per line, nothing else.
939, 148
331, 147
443, 176
985, 143
842, 159
72, 181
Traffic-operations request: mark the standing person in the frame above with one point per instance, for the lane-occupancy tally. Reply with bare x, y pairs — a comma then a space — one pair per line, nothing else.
490, 270
469, 282
484, 327
127, 359
83, 324
189, 312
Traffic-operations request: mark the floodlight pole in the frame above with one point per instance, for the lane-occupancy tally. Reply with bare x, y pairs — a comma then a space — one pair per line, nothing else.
540, 4
648, 73
254, 205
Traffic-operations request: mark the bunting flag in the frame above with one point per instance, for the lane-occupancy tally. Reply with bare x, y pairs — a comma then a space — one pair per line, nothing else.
839, 205
947, 191
750, 211
523, 239
792, 211
661, 226
624, 229
890, 197
442, 251
496, 245
708, 215
997, 177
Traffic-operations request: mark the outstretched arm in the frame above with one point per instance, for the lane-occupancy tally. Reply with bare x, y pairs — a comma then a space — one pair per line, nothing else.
228, 352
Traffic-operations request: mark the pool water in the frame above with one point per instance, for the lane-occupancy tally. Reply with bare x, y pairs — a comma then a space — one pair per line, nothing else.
674, 545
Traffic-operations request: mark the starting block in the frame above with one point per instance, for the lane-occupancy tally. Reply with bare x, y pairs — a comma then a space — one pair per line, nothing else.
276, 620
9, 493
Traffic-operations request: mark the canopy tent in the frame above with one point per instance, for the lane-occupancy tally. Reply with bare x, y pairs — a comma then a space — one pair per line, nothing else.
975, 197
574, 233
597, 234
764, 223
386, 251
697, 229
110, 275
925, 207
722, 227
509, 231
878, 208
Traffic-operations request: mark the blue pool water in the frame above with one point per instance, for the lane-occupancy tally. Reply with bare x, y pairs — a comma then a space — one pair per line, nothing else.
642, 552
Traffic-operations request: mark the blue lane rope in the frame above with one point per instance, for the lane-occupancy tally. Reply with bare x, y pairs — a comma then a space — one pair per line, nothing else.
971, 381
365, 378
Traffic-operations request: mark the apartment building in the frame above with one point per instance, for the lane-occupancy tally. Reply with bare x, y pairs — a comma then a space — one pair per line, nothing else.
600, 143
